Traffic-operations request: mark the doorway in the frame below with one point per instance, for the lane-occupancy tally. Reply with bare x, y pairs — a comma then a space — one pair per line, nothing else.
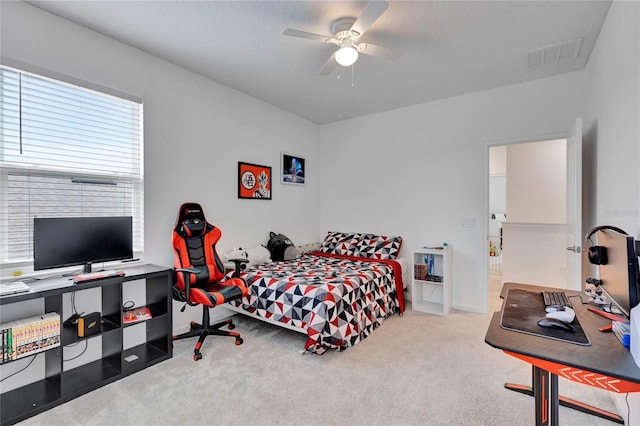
527, 213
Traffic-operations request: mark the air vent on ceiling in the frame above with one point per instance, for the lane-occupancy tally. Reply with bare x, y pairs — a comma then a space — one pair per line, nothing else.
556, 52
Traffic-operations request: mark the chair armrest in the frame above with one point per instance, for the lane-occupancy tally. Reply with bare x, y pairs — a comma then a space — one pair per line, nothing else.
240, 266
187, 282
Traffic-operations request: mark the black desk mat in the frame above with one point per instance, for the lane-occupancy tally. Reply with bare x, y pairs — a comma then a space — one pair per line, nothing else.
521, 312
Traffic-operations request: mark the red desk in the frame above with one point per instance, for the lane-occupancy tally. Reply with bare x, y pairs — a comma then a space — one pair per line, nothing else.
605, 364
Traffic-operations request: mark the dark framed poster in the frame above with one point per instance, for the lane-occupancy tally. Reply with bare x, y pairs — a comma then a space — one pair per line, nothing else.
254, 181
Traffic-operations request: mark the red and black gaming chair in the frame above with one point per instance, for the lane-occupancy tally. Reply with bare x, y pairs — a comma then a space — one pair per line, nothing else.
200, 273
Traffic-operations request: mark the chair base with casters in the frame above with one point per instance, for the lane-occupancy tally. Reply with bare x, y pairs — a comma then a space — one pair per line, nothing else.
205, 329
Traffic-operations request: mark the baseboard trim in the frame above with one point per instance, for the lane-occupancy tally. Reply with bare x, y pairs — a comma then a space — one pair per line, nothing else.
467, 308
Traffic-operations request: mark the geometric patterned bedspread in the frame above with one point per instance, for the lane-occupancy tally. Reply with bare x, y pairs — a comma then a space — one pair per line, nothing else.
338, 300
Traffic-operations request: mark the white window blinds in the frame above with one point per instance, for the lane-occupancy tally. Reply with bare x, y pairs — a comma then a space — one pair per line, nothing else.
65, 151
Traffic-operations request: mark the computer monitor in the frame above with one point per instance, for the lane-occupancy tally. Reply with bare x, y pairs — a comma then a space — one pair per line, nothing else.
70, 241
620, 274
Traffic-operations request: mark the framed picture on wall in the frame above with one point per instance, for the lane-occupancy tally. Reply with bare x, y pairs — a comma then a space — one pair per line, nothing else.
293, 169
254, 181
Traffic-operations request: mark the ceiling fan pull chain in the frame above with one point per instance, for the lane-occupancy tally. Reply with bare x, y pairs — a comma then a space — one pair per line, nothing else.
352, 74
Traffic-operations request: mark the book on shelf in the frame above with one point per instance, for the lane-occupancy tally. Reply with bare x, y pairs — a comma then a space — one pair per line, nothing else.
136, 315
425, 273
29, 336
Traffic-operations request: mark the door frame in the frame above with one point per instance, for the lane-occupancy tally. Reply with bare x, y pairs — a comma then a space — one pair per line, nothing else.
485, 211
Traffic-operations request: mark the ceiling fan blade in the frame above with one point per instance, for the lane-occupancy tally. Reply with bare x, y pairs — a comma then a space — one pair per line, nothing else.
328, 66
369, 15
379, 51
303, 34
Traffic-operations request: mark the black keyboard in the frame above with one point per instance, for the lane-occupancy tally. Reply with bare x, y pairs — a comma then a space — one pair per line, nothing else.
555, 299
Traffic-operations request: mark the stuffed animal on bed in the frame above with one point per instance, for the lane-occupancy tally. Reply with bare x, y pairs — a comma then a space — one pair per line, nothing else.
235, 253
258, 255
281, 247
255, 255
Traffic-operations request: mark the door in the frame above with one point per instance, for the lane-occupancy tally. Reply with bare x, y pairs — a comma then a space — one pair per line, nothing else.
574, 206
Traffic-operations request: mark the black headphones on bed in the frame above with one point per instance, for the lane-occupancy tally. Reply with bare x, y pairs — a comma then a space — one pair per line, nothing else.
598, 254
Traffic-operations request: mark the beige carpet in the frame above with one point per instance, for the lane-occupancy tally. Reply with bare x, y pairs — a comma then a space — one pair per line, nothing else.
418, 369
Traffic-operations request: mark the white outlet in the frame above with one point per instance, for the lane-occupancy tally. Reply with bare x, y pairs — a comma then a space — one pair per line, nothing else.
468, 222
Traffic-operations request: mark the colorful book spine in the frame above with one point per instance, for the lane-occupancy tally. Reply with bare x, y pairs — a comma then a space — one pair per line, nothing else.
421, 271
424, 272
3, 345
29, 336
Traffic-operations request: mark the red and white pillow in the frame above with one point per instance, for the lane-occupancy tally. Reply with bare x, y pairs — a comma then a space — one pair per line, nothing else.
343, 243
362, 245
378, 247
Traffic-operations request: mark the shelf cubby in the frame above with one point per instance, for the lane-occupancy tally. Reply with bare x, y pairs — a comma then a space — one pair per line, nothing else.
64, 380
431, 280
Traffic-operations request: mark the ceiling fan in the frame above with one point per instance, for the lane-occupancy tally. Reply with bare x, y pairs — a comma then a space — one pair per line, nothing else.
346, 34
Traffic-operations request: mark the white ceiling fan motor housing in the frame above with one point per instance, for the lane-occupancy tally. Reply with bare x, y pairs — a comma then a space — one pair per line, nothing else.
341, 30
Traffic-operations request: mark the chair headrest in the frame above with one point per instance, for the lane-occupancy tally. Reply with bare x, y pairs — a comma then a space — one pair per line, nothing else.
194, 227
191, 211
191, 220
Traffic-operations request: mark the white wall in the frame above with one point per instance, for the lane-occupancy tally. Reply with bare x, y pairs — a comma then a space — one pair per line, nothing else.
612, 121
612, 135
498, 161
537, 182
421, 172
498, 194
535, 253
196, 130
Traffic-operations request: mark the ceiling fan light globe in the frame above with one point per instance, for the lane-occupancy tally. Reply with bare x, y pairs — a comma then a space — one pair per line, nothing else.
346, 56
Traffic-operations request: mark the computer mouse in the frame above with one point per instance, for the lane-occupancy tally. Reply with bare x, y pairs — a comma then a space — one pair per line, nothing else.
555, 323
566, 315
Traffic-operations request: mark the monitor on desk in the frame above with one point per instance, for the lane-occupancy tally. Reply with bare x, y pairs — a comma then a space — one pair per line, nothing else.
71, 241
620, 274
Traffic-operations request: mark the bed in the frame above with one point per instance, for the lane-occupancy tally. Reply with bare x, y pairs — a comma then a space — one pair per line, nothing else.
337, 295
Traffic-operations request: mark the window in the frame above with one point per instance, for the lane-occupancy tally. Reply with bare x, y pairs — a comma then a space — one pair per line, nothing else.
65, 151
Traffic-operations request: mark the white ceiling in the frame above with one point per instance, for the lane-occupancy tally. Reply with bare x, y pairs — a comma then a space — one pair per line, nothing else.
448, 48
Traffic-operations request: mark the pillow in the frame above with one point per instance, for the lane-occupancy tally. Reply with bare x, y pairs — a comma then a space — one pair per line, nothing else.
307, 248
343, 243
378, 247
281, 247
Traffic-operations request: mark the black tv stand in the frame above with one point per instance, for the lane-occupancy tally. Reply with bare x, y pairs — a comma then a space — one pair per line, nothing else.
62, 383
